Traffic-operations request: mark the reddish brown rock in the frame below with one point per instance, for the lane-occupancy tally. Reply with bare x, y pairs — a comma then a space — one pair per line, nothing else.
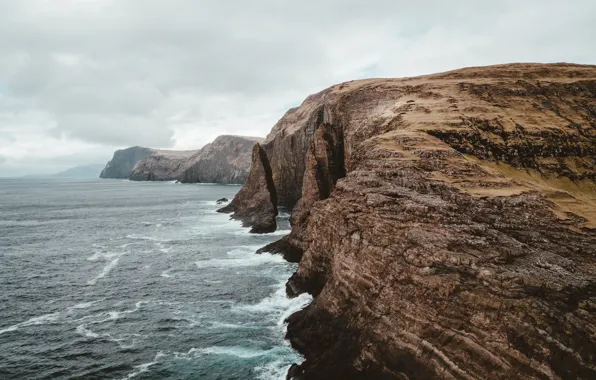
461, 243
256, 203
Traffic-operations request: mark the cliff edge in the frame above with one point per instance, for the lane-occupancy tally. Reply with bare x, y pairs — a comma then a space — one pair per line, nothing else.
123, 162
226, 160
445, 225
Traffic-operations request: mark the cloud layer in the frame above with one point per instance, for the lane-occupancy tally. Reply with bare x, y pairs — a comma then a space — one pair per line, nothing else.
80, 78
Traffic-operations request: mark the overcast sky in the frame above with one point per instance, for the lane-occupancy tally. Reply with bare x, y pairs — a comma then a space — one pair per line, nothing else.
81, 78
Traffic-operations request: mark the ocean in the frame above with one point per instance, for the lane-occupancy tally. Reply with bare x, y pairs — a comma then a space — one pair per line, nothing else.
109, 279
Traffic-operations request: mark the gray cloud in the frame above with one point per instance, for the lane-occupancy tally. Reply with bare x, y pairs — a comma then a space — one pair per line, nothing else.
105, 74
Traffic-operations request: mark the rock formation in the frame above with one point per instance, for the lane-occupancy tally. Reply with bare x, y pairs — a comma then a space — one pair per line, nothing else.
162, 165
256, 203
445, 224
226, 160
124, 161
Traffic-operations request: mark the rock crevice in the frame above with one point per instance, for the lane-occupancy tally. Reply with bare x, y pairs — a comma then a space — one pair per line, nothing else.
456, 236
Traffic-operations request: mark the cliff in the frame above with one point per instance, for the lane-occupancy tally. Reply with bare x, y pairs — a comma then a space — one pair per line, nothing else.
161, 165
445, 225
226, 160
256, 203
124, 161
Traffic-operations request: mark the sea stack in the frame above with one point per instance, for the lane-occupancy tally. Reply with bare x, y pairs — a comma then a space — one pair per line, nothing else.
445, 224
256, 203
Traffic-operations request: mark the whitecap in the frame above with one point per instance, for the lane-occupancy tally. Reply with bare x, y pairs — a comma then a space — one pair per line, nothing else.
237, 351
278, 305
41, 320
273, 370
166, 273
104, 255
248, 261
142, 368
82, 330
107, 269
150, 238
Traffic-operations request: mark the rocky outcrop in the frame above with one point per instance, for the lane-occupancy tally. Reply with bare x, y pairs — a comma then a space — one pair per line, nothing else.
446, 225
256, 203
124, 161
162, 165
226, 160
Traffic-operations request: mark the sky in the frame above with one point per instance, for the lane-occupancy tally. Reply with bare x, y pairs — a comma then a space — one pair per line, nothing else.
82, 78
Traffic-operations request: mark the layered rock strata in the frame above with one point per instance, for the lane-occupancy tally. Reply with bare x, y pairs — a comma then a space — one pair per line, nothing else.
445, 225
124, 161
162, 165
226, 160
256, 203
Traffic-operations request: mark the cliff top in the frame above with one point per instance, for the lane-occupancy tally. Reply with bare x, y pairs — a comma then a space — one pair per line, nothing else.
521, 128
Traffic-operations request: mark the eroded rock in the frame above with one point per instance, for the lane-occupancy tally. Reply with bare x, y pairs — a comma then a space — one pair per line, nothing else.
460, 243
256, 203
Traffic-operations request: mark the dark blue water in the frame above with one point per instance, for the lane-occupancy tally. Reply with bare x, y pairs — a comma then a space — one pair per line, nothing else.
122, 280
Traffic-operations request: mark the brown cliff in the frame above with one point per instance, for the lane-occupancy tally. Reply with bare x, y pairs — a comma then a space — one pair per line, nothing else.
226, 160
461, 241
161, 165
256, 203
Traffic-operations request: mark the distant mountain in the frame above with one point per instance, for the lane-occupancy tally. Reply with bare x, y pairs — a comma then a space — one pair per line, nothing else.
84, 171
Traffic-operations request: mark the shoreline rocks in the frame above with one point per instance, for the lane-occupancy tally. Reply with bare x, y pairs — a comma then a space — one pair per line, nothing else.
256, 203
445, 224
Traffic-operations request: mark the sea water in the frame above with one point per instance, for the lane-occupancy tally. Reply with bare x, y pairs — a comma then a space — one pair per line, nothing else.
108, 279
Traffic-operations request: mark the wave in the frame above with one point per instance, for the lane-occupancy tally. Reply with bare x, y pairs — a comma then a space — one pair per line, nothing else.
142, 368
107, 269
237, 351
246, 232
277, 305
150, 238
41, 320
274, 370
248, 261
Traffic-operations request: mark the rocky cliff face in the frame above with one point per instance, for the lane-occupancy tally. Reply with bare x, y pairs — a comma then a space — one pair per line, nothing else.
226, 160
162, 165
124, 161
256, 203
445, 224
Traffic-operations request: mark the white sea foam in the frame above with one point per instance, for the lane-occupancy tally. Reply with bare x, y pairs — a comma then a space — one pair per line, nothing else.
150, 238
248, 261
104, 255
142, 368
82, 330
107, 269
278, 305
166, 273
41, 320
83, 305
237, 351
274, 370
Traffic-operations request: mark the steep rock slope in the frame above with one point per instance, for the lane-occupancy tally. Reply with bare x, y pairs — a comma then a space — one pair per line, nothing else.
161, 165
256, 203
445, 224
124, 161
226, 160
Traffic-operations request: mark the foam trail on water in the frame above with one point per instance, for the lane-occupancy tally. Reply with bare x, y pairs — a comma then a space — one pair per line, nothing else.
42, 319
107, 269
237, 351
248, 261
